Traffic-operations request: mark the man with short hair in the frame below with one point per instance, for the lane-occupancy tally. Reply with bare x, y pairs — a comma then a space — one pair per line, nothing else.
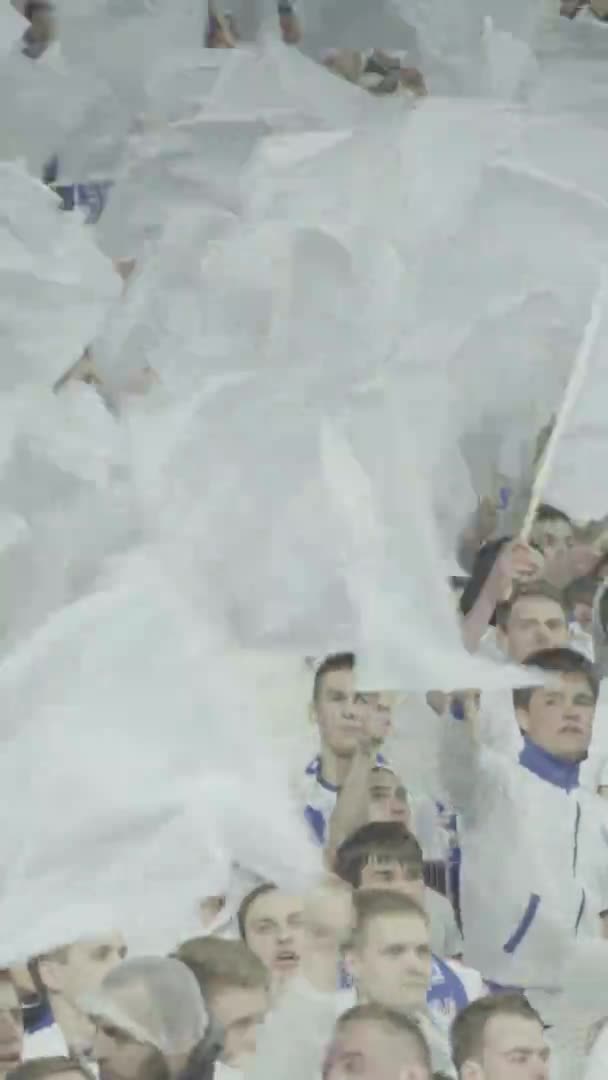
534, 851
552, 531
500, 1038
348, 751
534, 618
235, 986
11, 1026
385, 855
375, 1043
65, 975
391, 962
271, 924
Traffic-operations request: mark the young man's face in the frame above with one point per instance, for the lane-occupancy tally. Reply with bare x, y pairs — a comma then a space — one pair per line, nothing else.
392, 962
367, 1050
340, 725
86, 966
387, 798
554, 537
535, 623
239, 1011
583, 614
391, 874
11, 1027
375, 716
514, 1049
274, 928
560, 719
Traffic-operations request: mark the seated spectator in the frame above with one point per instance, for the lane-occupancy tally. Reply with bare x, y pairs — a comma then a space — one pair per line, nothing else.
375, 1043
271, 924
387, 856
235, 986
50, 1068
11, 1026
64, 976
151, 1021
500, 1038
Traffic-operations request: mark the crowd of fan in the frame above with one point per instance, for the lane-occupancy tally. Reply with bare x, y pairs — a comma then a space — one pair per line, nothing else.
432, 946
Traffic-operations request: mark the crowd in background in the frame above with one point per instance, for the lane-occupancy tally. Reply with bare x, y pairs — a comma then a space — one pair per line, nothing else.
436, 943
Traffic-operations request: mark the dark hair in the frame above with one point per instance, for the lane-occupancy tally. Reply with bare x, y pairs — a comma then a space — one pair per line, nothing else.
467, 1032
531, 591
372, 904
563, 662
41, 1068
546, 512
389, 840
336, 662
248, 901
218, 964
397, 1023
482, 568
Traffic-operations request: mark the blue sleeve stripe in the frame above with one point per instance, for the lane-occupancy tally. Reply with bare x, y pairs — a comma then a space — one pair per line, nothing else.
526, 922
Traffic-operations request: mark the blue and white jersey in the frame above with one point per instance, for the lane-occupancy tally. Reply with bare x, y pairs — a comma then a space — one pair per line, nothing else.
320, 798
453, 987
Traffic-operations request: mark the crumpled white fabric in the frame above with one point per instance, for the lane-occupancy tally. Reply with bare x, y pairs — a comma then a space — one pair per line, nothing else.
56, 287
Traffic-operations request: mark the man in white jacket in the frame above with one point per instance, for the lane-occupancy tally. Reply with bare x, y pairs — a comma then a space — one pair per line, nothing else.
535, 851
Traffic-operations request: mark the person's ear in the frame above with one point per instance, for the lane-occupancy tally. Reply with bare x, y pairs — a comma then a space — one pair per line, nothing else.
523, 719
51, 974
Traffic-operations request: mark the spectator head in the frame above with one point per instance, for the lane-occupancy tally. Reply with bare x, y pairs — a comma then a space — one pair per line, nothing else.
271, 923
387, 797
534, 618
552, 531
382, 855
50, 1068
559, 717
374, 1043
333, 705
375, 714
11, 1025
579, 597
500, 1038
235, 986
67, 974
390, 958
150, 1020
